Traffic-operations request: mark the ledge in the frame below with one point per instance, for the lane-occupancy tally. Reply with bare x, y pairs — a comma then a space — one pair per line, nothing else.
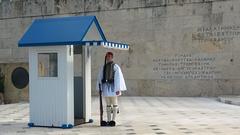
230, 99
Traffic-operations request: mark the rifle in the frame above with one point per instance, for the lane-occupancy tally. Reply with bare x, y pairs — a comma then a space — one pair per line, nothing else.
102, 122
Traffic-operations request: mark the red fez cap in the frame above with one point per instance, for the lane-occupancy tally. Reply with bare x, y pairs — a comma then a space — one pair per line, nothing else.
109, 53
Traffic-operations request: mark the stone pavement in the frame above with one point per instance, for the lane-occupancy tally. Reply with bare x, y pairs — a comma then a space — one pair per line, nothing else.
140, 116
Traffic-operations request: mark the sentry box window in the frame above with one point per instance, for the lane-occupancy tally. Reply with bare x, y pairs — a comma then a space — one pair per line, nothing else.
47, 65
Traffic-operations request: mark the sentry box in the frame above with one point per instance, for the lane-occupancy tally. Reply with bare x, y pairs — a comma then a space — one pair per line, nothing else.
60, 69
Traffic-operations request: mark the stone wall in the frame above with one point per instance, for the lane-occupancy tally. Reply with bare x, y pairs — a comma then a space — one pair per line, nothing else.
177, 47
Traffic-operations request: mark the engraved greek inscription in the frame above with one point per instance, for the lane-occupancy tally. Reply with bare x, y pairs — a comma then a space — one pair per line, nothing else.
185, 66
220, 33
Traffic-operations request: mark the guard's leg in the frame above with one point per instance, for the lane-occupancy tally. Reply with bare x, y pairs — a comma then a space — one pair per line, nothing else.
109, 109
115, 110
109, 114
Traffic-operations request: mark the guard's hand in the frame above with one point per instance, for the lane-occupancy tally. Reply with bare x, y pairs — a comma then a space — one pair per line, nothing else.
118, 93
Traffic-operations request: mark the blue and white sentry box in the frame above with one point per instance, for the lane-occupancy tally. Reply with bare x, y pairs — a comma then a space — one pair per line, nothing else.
59, 96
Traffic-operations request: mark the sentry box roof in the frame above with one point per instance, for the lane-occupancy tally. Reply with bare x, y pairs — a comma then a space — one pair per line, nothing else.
66, 31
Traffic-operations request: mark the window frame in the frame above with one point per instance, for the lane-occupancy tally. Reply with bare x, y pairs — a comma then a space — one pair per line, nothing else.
57, 64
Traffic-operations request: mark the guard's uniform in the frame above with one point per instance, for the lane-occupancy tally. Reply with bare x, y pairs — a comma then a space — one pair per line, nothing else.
111, 79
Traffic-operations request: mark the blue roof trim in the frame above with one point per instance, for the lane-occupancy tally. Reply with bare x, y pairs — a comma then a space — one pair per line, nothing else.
92, 43
99, 28
87, 30
53, 44
115, 45
106, 44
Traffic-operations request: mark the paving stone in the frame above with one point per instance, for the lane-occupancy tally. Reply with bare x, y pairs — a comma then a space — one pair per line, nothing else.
131, 133
160, 133
188, 132
156, 129
153, 125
